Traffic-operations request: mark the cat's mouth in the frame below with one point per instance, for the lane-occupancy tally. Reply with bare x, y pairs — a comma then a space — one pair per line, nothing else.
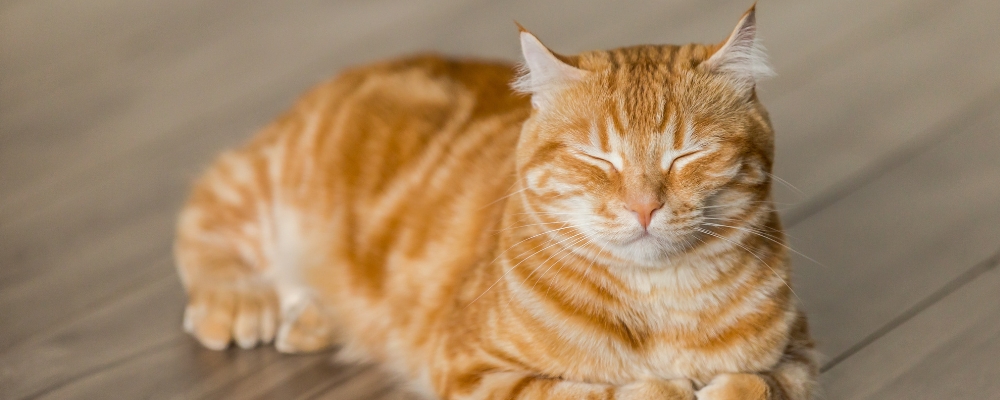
644, 235
650, 239
668, 238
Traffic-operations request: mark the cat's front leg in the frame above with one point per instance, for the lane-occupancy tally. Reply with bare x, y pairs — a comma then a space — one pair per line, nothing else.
525, 386
794, 378
781, 384
789, 383
739, 387
234, 289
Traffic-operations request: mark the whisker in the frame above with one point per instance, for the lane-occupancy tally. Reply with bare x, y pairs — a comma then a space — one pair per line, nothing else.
533, 254
748, 203
548, 213
733, 219
751, 230
765, 236
511, 269
775, 177
710, 233
734, 204
527, 225
762, 228
504, 197
529, 238
567, 247
592, 262
574, 243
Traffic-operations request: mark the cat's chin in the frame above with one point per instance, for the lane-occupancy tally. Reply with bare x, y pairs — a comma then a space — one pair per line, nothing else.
649, 251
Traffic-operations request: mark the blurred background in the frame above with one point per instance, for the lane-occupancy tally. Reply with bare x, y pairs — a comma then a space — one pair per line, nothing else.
887, 115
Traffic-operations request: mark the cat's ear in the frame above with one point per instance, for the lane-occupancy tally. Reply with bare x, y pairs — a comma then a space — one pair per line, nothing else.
543, 72
741, 57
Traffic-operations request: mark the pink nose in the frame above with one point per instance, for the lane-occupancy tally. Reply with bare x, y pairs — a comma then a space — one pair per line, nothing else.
644, 210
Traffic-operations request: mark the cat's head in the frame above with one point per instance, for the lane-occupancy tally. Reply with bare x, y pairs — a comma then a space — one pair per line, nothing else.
641, 148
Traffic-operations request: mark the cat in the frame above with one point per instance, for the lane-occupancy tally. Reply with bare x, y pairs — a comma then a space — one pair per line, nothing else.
602, 227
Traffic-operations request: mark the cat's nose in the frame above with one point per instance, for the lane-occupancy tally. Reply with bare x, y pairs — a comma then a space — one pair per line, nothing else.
644, 210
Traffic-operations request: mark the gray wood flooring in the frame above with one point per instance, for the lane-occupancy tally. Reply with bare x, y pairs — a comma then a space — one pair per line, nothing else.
888, 121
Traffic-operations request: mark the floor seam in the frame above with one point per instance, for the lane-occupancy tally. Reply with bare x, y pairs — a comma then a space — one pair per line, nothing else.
952, 286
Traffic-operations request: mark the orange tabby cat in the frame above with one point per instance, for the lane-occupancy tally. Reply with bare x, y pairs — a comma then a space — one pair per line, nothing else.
612, 238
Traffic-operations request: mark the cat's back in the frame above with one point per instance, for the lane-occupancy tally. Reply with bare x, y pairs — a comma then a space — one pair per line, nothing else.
400, 160
371, 125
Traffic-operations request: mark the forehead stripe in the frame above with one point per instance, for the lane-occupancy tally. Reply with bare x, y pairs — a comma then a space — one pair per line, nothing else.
681, 132
599, 135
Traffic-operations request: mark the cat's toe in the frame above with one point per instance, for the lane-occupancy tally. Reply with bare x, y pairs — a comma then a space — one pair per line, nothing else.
217, 317
246, 329
247, 324
269, 323
305, 327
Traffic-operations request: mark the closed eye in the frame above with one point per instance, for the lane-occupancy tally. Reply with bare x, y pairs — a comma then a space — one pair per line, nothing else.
682, 159
599, 160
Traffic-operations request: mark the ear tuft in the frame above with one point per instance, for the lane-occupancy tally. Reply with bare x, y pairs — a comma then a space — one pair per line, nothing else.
741, 57
542, 72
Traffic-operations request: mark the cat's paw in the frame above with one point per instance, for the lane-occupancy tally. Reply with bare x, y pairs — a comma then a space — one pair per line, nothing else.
246, 314
735, 387
673, 389
305, 327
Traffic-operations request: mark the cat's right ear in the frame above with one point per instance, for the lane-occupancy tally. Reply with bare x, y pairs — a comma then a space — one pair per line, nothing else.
543, 72
741, 57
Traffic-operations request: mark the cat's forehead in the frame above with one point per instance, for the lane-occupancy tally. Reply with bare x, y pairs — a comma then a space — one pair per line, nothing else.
650, 100
645, 89
673, 132
637, 58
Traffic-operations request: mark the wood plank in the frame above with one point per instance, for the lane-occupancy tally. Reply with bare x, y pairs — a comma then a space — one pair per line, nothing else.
949, 351
86, 345
133, 348
862, 109
149, 88
183, 370
116, 234
371, 385
901, 237
288, 378
813, 39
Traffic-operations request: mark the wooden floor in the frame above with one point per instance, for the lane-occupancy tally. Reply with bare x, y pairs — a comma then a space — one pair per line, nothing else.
887, 115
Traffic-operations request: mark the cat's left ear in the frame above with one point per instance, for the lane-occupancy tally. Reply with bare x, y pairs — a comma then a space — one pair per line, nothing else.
543, 72
741, 57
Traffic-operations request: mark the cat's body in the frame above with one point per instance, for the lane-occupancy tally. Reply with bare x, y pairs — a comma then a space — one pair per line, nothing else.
421, 214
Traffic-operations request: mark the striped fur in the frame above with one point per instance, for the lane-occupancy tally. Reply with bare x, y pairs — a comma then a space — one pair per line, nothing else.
421, 214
